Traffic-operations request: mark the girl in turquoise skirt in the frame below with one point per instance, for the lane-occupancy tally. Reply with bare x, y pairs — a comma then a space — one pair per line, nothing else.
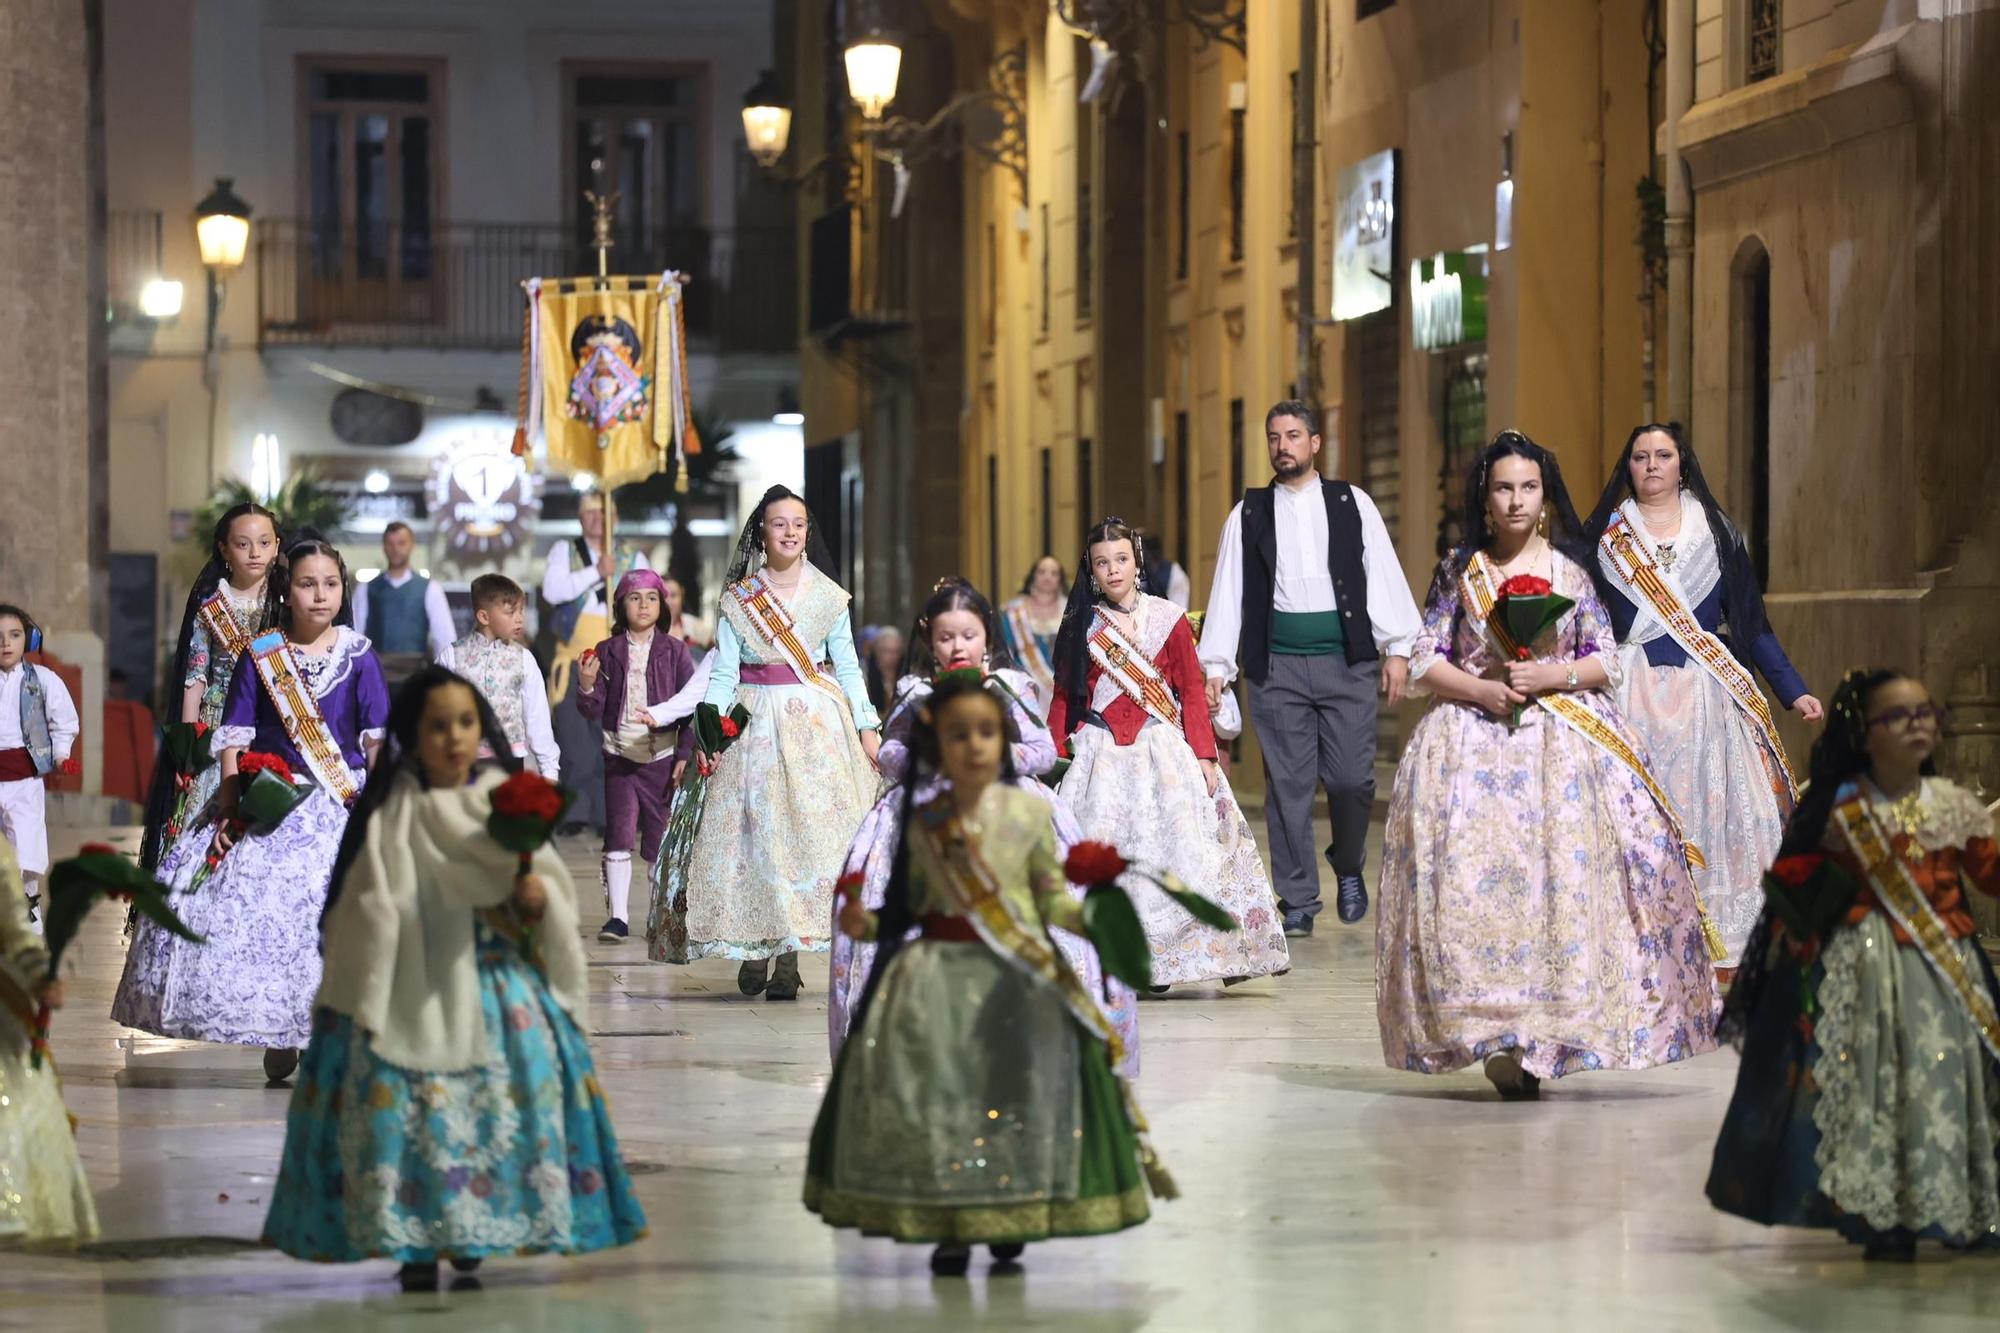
974, 1102
447, 1107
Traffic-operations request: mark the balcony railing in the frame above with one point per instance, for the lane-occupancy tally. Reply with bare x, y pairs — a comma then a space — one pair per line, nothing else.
458, 285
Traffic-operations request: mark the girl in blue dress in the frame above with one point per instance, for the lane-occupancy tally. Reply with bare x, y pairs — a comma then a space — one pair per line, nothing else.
447, 1107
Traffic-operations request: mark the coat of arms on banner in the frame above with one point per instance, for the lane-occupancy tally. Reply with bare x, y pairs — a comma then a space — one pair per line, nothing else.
608, 388
604, 379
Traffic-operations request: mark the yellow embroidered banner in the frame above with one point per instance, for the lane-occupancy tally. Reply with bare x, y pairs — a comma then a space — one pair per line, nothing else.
604, 376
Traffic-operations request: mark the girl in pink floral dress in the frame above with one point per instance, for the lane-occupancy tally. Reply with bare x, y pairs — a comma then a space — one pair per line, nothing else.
1537, 910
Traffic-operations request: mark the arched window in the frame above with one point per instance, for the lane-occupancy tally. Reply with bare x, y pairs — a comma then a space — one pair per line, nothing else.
1750, 399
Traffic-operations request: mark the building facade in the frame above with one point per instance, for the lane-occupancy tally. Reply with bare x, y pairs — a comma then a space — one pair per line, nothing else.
408, 164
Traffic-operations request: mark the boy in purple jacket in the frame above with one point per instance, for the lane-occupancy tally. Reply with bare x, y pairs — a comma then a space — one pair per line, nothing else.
618, 681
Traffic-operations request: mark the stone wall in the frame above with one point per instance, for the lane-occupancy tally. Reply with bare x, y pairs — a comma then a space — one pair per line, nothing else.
52, 443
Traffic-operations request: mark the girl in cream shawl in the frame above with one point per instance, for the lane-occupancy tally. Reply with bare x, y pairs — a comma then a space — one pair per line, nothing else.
447, 1107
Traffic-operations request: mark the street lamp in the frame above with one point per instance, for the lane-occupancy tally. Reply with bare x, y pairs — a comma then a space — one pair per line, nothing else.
222, 230
767, 120
873, 63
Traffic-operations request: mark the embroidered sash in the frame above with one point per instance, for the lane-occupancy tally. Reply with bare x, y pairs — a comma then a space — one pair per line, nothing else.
1629, 562
1478, 590
298, 710
1906, 903
773, 622
1029, 648
218, 617
1132, 671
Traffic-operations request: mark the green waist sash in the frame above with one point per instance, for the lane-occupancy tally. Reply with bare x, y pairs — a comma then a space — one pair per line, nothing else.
1306, 633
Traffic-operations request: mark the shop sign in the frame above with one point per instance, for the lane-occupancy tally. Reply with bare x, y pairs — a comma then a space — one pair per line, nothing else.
1364, 240
1448, 299
483, 499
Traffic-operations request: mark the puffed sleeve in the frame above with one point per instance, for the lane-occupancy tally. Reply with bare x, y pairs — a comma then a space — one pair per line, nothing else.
1433, 643
199, 653
1591, 635
239, 710
1182, 669
1035, 751
371, 698
1058, 906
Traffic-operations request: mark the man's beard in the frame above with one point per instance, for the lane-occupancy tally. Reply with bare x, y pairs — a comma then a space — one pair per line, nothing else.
1288, 467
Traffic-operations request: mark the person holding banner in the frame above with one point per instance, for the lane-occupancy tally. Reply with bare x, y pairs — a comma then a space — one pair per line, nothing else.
784, 800
1868, 1099
1132, 711
574, 581
1029, 624
1537, 910
1676, 577
311, 695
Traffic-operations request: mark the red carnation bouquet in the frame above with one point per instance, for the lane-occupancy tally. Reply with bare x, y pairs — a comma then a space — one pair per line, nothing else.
1527, 608
526, 809
98, 871
1111, 921
268, 791
715, 731
187, 749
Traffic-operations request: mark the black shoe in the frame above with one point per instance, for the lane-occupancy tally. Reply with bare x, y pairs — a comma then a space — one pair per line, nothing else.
1009, 1253
613, 931
1352, 901
576, 828
418, 1277
279, 1065
465, 1265
1892, 1250
1298, 924
951, 1260
752, 977
785, 983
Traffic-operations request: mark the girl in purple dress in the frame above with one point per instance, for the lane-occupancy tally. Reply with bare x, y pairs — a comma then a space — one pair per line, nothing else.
312, 695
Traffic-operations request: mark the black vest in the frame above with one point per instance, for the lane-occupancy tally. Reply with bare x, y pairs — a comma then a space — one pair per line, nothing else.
1260, 575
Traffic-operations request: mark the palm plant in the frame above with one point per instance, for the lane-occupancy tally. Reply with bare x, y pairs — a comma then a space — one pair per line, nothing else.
302, 502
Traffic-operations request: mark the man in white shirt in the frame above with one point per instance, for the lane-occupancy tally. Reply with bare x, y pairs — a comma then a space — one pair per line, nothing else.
1310, 596
403, 613
573, 584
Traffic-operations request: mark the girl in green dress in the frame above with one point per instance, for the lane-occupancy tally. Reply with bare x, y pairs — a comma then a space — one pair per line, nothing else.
975, 1102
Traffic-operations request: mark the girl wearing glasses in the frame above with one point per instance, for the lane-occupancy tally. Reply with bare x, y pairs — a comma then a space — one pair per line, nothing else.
1868, 1100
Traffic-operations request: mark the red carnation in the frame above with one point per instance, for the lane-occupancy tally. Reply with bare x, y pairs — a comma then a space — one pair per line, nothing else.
729, 728
1093, 863
201, 728
256, 762
1795, 872
528, 796
849, 885
1526, 585
97, 849
71, 767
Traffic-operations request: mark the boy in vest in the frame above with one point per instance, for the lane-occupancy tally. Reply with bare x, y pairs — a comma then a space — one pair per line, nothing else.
499, 665
1310, 596
403, 613
38, 727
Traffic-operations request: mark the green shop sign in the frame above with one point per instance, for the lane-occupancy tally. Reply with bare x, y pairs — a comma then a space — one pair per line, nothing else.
1448, 299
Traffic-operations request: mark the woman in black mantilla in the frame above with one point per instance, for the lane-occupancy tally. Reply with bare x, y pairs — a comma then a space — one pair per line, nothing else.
1677, 581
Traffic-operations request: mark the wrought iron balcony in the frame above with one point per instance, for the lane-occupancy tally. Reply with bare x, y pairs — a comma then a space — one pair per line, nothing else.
457, 285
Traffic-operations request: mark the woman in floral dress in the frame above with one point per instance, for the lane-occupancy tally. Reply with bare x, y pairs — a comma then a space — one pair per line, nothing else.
1537, 911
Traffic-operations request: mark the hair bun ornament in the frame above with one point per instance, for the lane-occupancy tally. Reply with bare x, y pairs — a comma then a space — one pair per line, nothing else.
948, 581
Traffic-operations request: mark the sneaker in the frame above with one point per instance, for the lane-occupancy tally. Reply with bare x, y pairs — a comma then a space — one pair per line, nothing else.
1352, 900
1298, 924
613, 932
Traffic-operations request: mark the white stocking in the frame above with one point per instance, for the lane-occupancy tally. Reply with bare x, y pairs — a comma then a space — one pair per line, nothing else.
618, 882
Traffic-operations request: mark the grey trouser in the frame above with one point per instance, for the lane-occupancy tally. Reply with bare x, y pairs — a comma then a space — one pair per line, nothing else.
1315, 719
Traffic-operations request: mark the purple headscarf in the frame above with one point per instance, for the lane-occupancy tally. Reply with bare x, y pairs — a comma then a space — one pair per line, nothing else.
634, 581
